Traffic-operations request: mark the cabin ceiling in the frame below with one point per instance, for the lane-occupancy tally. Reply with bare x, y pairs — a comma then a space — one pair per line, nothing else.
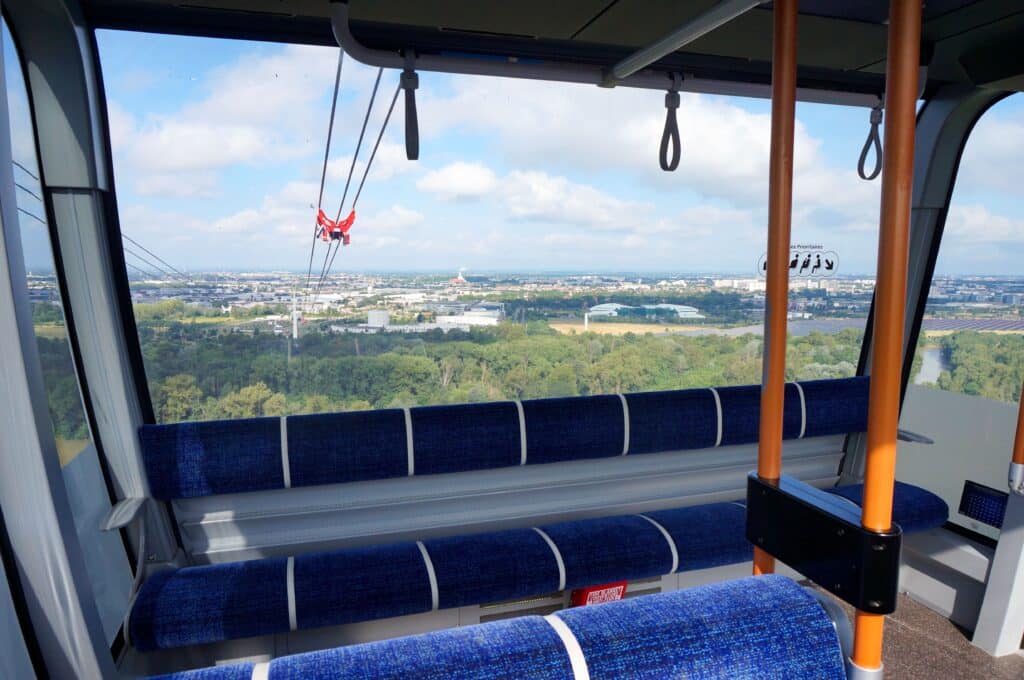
841, 44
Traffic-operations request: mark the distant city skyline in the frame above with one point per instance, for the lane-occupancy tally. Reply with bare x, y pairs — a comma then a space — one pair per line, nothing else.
47, 269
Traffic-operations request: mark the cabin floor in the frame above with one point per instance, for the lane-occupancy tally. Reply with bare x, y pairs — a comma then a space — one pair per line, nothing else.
923, 645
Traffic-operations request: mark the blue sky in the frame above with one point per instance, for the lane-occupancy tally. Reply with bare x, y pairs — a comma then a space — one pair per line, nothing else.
218, 145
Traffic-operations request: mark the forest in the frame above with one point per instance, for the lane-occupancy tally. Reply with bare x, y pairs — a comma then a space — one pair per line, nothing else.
199, 373
198, 370
983, 364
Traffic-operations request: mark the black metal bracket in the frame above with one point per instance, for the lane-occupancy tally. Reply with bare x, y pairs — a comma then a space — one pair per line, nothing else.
819, 535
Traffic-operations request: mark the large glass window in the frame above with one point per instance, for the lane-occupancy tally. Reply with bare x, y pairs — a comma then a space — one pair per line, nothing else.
105, 558
535, 250
969, 364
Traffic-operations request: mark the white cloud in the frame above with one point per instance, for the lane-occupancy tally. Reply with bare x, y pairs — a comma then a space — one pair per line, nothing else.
586, 131
578, 182
389, 162
395, 218
268, 106
975, 224
538, 196
200, 184
459, 181
991, 161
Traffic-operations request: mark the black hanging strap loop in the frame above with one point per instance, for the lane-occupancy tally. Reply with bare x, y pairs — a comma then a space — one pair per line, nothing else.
670, 136
409, 82
875, 141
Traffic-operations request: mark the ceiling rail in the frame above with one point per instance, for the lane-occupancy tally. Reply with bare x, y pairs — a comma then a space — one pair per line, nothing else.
719, 15
533, 69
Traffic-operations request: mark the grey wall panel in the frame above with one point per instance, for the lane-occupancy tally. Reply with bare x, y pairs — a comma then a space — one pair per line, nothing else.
14, 658
250, 525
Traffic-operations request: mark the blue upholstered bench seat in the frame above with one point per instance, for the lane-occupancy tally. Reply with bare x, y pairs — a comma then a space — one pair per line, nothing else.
764, 627
187, 460
203, 604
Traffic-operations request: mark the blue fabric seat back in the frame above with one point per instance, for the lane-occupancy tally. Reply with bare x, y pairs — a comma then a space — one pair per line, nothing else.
190, 606
741, 413
574, 428
492, 567
204, 604
913, 508
836, 406
608, 549
466, 437
333, 448
756, 627
763, 627
187, 460
670, 421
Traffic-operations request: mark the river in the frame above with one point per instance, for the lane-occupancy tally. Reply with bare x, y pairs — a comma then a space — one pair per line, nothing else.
932, 366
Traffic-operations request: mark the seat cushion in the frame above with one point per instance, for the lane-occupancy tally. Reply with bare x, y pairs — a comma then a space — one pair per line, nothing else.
204, 604
913, 508
757, 627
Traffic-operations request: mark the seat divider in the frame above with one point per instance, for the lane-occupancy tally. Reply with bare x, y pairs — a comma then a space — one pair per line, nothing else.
286, 469
625, 424
431, 574
293, 623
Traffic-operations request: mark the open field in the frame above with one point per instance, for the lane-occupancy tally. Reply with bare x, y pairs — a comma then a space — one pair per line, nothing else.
940, 334
50, 330
619, 328
67, 449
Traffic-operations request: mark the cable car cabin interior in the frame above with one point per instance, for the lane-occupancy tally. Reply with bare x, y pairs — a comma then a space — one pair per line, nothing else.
843, 525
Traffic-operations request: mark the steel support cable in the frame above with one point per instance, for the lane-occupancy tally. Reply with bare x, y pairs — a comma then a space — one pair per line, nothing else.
362, 181
376, 145
28, 191
138, 269
145, 270
37, 218
359, 144
323, 170
875, 141
324, 269
152, 267
330, 265
155, 256
26, 170
163, 272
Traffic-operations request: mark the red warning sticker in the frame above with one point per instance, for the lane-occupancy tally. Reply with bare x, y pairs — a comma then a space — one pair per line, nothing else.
609, 592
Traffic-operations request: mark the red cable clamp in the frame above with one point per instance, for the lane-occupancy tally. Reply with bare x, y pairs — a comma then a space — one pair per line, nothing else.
331, 230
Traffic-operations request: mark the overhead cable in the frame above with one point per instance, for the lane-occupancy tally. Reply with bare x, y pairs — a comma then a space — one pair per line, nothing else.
163, 272
154, 255
373, 154
26, 170
37, 218
359, 143
329, 255
323, 170
366, 173
28, 191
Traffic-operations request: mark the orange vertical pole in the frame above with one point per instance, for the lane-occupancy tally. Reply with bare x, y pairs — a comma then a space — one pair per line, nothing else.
890, 293
1018, 441
780, 211
1016, 474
